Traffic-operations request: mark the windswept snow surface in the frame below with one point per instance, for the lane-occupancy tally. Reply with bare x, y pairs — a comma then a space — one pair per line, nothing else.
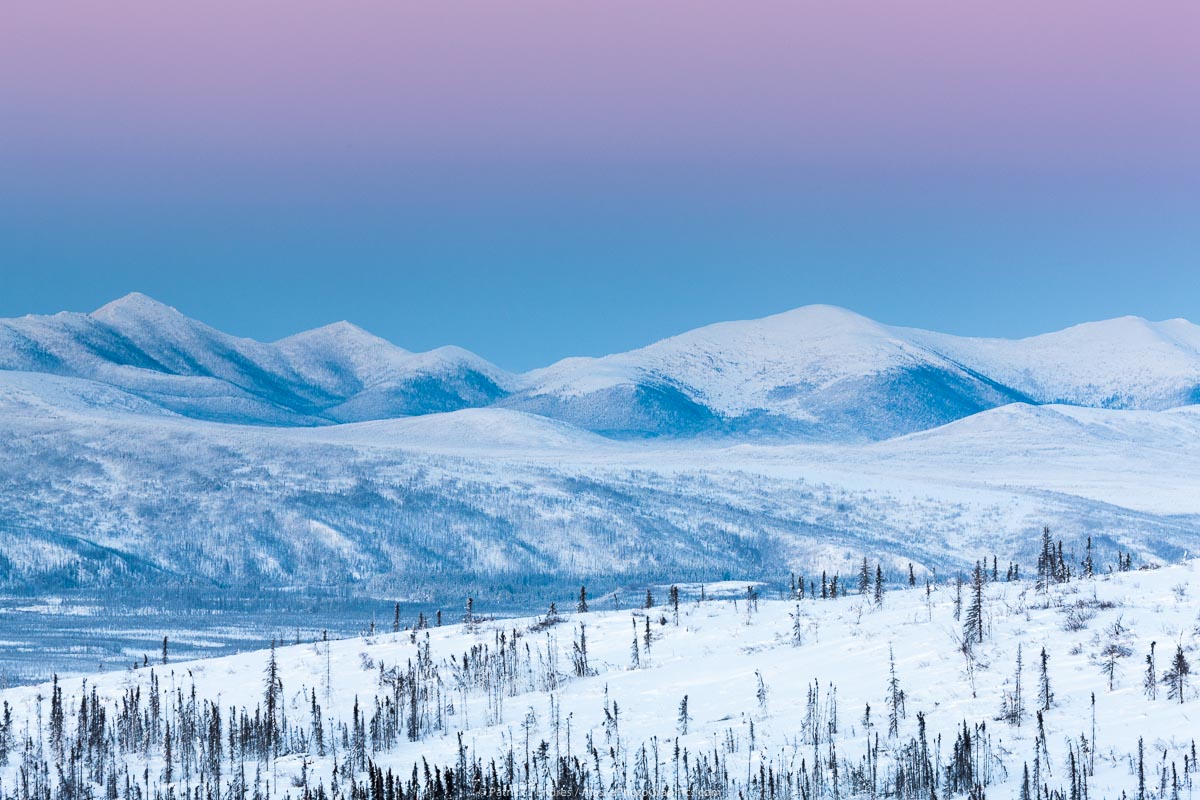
837, 651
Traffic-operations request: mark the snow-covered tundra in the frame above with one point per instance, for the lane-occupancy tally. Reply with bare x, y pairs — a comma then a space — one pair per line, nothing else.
1058, 687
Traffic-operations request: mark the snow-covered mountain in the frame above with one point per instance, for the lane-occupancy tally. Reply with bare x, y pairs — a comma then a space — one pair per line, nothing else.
332, 374
137, 445
821, 372
815, 373
1119, 363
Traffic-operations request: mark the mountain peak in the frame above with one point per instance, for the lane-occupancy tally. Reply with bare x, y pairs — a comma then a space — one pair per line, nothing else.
134, 305
344, 338
824, 316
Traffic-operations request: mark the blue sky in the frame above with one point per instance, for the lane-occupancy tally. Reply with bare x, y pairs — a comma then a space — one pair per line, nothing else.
595, 266
591, 178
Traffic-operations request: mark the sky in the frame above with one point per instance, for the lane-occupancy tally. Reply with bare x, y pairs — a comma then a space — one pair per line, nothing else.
536, 179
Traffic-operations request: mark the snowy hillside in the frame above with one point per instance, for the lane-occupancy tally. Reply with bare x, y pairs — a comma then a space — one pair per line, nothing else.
993, 688
481, 497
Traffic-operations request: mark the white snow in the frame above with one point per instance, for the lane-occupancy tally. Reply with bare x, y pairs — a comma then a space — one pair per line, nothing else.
714, 655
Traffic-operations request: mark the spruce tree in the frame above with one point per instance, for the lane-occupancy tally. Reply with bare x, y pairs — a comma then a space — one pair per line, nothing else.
635, 657
973, 626
1150, 684
1176, 675
579, 654
1045, 566
271, 696
582, 605
894, 696
1045, 695
797, 628
878, 585
1015, 705
864, 578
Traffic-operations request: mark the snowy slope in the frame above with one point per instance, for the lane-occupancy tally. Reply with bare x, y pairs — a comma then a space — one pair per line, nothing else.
443, 501
797, 692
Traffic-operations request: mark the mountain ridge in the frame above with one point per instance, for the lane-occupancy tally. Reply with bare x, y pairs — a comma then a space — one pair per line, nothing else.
817, 372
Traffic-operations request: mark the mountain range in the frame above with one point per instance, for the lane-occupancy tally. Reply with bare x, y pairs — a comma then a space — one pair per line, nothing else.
139, 446
817, 373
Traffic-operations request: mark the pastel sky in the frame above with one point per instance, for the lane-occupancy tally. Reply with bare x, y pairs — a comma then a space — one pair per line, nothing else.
537, 179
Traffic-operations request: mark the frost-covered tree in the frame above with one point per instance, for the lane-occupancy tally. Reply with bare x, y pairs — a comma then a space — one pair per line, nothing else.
878, 585
579, 653
1045, 694
1113, 651
582, 605
797, 627
864, 578
1012, 708
1176, 675
684, 717
1150, 683
272, 693
1046, 562
973, 625
895, 696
